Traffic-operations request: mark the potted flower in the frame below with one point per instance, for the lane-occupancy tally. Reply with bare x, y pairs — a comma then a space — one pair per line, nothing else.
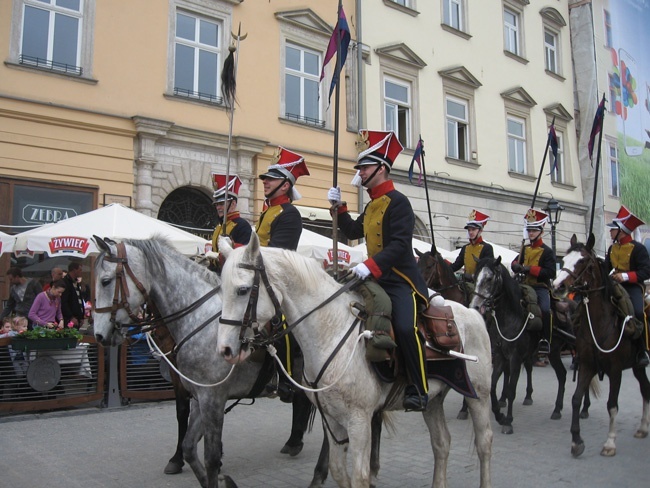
46, 338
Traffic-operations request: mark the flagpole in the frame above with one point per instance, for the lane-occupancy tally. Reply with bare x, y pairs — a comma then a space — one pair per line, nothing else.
539, 178
593, 199
228, 90
426, 192
337, 93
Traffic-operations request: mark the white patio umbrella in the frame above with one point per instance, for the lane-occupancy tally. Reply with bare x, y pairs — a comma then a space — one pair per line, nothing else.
316, 246
421, 246
73, 236
6, 242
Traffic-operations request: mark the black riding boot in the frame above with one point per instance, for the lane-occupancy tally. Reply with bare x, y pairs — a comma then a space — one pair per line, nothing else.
544, 347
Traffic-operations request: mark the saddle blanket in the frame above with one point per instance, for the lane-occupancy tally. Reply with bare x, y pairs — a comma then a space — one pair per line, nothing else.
454, 374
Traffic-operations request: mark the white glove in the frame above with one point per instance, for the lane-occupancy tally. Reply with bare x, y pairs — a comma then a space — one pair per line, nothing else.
361, 270
212, 255
334, 196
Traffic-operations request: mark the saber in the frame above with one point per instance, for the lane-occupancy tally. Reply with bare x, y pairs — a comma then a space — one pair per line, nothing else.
459, 355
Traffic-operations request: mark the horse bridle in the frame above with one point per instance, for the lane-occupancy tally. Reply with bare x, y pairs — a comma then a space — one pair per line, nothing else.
121, 295
121, 301
278, 324
491, 301
581, 287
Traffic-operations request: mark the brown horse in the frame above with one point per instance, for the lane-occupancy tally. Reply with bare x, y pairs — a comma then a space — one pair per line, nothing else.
602, 344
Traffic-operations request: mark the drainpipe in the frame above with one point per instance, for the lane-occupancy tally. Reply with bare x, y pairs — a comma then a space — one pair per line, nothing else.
359, 90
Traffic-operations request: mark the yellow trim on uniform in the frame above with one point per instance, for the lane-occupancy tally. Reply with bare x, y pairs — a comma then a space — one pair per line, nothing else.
408, 280
421, 353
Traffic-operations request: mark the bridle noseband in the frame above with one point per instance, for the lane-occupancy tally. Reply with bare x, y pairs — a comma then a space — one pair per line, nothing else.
491, 301
121, 295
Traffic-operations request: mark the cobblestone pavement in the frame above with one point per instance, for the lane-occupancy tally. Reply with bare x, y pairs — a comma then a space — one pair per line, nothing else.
129, 446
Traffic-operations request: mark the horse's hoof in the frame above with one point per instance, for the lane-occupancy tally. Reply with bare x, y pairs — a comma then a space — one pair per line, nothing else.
577, 449
608, 452
174, 467
507, 429
584, 415
556, 416
225, 481
462, 416
292, 450
503, 403
641, 434
528, 401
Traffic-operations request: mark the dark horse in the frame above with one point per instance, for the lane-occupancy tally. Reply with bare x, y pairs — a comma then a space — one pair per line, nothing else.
602, 344
439, 276
498, 298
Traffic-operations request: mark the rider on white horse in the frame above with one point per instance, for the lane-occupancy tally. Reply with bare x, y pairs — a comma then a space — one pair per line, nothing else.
387, 225
280, 225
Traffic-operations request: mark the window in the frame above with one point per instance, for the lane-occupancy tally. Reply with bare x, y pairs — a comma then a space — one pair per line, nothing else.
453, 14
457, 129
511, 22
516, 145
397, 109
608, 28
550, 51
558, 174
302, 87
52, 33
197, 57
614, 186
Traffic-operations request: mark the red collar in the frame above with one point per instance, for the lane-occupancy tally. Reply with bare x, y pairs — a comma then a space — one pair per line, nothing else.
232, 216
625, 239
538, 243
381, 189
276, 201
478, 240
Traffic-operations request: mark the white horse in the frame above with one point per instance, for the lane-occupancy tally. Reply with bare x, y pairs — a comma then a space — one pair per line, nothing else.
350, 392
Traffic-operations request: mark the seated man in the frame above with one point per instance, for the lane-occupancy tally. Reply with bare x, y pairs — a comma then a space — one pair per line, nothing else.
537, 263
387, 224
476, 249
631, 267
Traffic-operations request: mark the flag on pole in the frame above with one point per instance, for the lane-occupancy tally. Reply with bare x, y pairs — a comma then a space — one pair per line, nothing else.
340, 35
596, 127
552, 142
417, 158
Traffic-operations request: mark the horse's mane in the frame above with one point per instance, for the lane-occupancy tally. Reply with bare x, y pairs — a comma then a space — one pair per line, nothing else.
306, 270
510, 285
158, 249
607, 283
447, 272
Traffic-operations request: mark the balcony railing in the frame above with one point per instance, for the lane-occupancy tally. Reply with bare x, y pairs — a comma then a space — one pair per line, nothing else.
305, 120
50, 65
208, 97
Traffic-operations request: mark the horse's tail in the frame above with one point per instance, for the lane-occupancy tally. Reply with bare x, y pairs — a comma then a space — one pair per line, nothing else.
388, 420
594, 386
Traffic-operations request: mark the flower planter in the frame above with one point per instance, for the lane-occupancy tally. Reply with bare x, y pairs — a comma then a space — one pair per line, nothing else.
44, 343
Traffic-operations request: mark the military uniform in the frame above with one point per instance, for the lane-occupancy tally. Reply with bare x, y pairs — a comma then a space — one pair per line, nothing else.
237, 228
280, 224
477, 248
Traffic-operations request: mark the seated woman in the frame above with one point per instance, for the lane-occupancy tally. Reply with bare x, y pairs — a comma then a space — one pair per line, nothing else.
46, 309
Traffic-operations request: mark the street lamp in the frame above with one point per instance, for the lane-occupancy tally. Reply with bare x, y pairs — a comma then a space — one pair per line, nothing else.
554, 211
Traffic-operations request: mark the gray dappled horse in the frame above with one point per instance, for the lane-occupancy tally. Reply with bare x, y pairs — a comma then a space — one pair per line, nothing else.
134, 272
334, 356
601, 343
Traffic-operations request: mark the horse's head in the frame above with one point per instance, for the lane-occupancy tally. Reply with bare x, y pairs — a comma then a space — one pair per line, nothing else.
490, 274
577, 263
247, 304
436, 273
119, 295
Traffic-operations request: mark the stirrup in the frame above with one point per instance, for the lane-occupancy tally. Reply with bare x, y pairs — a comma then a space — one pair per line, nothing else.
544, 347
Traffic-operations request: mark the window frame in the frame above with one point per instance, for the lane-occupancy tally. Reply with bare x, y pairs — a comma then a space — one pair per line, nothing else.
301, 117
197, 47
522, 139
512, 33
407, 137
451, 119
447, 17
551, 52
85, 39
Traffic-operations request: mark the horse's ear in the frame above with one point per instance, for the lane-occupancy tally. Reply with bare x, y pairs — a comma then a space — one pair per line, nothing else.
498, 261
418, 252
102, 245
434, 250
574, 240
591, 241
252, 249
225, 245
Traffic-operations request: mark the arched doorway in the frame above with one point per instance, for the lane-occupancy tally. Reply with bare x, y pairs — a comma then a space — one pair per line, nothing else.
191, 209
